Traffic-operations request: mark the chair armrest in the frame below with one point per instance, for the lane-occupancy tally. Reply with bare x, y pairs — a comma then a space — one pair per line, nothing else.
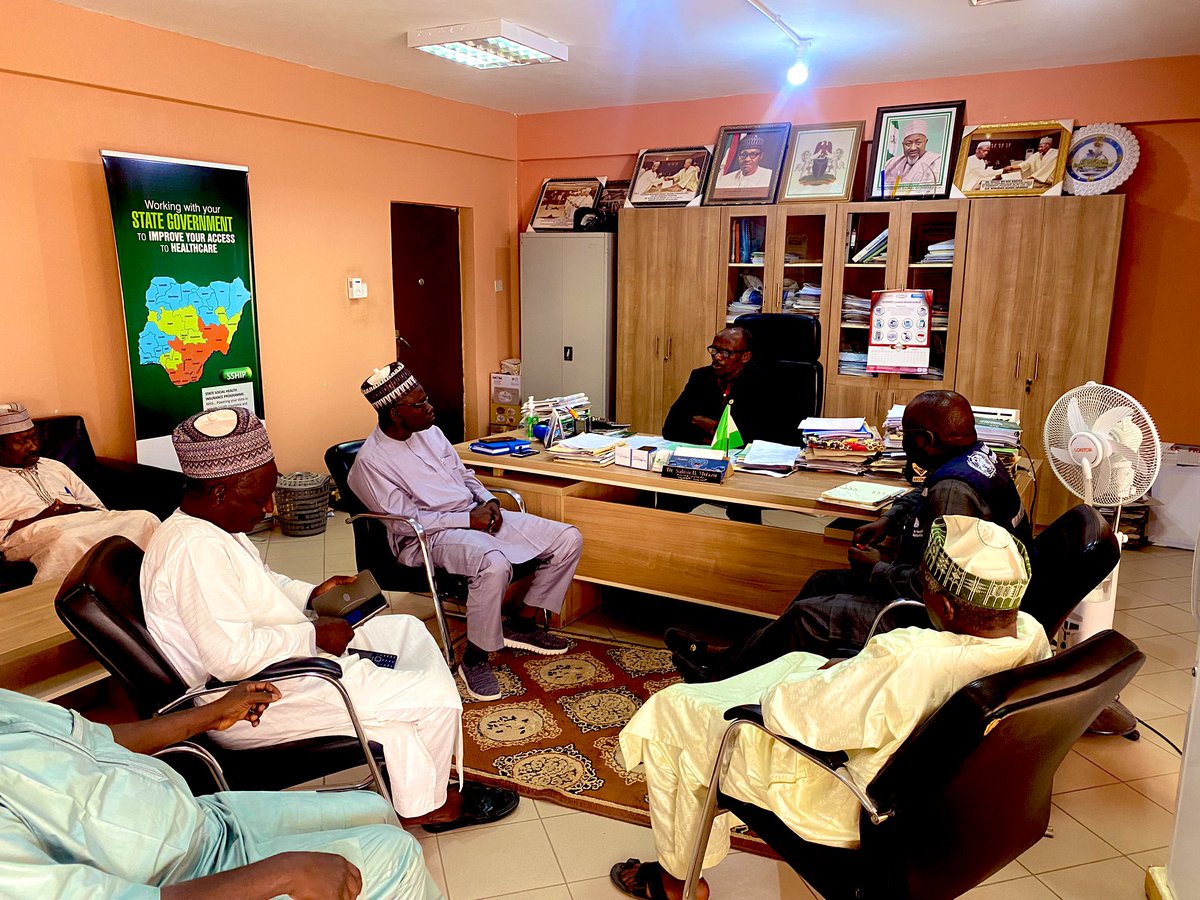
517, 498
284, 670
187, 748
832, 760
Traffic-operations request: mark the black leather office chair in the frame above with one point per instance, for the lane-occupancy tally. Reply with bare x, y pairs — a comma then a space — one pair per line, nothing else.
373, 551
1069, 559
789, 348
962, 797
100, 602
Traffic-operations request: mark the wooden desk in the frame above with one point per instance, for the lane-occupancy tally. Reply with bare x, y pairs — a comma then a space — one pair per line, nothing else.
38, 655
628, 543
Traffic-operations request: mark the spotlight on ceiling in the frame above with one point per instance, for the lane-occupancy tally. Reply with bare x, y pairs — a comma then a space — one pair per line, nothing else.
798, 73
490, 44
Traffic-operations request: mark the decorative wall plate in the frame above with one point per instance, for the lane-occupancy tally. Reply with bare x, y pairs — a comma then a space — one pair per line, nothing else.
1102, 157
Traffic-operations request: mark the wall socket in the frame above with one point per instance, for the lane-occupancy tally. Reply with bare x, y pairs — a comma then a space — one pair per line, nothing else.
356, 289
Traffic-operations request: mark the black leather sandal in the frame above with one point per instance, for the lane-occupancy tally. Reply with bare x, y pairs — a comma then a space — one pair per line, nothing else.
481, 805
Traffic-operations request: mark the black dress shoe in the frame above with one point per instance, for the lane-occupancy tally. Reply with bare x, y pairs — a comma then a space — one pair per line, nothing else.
683, 642
693, 672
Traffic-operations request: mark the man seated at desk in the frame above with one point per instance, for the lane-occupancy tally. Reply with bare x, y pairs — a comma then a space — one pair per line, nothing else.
407, 467
216, 610
972, 576
84, 814
835, 609
47, 514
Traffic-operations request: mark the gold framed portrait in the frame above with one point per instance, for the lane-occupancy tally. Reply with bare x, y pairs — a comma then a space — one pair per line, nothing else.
1013, 159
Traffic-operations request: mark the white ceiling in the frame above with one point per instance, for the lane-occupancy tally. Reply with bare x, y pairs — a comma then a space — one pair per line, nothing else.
642, 51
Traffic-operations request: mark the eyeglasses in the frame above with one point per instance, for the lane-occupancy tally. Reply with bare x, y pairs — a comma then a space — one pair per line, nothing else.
750, 153
424, 402
719, 353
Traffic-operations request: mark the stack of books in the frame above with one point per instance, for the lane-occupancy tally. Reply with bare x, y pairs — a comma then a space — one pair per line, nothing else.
866, 495
587, 449
874, 251
1000, 429
498, 446
851, 362
839, 445
856, 310
941, 252
805, 300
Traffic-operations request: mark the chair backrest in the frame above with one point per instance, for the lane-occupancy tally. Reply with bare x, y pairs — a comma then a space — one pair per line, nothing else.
971, 787
1071, 557
100, 601
372, 549
788, 347
66, 439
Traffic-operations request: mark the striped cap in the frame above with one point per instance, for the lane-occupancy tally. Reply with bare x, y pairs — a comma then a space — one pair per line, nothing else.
977, 562
387, 385
220, 443
14, 418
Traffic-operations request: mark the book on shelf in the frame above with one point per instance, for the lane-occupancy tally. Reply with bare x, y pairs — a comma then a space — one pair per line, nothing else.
872, 248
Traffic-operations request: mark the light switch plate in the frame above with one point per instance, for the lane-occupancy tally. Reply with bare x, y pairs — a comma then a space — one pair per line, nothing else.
356, 289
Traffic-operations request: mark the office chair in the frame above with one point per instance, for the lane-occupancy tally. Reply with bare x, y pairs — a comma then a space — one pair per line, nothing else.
963, 796
100, 602
789, 348
373, 550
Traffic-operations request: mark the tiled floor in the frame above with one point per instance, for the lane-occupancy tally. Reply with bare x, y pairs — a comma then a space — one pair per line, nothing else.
1113, 804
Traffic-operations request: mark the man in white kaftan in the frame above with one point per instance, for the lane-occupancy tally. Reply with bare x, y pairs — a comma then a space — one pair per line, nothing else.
1040, 166
215, 609
407, 467
915, 165
47, 514
867, 705
978, 168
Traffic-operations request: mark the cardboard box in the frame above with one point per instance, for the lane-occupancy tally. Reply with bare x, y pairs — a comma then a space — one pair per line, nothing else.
506, 389
506, 414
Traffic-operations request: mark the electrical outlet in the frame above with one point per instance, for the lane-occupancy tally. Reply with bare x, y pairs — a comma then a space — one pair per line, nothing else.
356, 289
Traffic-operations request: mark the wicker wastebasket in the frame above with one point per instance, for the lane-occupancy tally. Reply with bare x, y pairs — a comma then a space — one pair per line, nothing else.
302, 503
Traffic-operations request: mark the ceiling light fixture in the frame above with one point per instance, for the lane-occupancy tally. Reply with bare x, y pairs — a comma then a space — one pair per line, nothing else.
987, 2
798, 73
490, 44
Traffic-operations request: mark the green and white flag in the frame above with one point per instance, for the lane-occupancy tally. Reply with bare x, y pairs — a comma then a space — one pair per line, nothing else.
727, 437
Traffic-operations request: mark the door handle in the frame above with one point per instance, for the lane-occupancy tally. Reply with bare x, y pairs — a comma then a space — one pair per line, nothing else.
656, 345
1037, 359
401, 340
668, 356
1017, 367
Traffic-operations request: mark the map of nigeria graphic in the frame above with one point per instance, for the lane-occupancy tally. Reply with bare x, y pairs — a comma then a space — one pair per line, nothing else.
186, 324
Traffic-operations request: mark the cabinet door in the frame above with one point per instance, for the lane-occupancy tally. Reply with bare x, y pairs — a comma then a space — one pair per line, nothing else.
1073, 293
1003, 246
806, 240
641, 283
585, 344
693, 310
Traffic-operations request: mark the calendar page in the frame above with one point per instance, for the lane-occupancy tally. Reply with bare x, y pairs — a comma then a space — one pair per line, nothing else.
899, 332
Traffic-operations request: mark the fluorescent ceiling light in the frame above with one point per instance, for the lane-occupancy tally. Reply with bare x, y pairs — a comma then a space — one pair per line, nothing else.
987, 2
490, 44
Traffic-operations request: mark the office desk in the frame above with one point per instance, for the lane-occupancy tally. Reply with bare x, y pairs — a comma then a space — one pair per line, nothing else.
38, 655
628, 543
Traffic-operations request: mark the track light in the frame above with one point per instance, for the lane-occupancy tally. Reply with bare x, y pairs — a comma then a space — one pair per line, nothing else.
798, 73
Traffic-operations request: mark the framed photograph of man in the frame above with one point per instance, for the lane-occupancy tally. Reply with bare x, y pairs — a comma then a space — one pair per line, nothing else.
671, 176
613, 197
555, 210
748, 164
1014, 159
822, 161
915, 148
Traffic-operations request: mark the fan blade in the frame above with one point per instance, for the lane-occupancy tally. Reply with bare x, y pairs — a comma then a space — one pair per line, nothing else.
1126, 433
1130, 456
1106, 421
1075, 418
1062, 455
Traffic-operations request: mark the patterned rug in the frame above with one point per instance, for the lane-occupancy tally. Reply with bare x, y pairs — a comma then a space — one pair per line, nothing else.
553, 732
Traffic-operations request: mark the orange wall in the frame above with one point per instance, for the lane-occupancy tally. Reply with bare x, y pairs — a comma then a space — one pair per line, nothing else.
1156, 316
327, 155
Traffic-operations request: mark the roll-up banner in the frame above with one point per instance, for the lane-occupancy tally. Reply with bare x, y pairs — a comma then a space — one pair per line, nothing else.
185, 258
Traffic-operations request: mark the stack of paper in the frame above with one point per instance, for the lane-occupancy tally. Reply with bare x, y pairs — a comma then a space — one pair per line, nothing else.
851, 362
893, 458
806, 300
839, 445
863, 495
856, 310
587, 449
941, 252
766, 458
577, 403
875, 249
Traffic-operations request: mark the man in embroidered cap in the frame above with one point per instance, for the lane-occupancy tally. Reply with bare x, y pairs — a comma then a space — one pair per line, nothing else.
407, 467
916, 165
974, 574
749, 173
215, 610
47, 514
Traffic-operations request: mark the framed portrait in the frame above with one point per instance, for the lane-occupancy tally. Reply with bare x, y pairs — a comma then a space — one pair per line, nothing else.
672, 176
915, 149
1015, 159
748, 163
822, 161
613, 197
560, 197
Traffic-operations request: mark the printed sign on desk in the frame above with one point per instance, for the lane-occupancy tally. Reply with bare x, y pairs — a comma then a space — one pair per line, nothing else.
901, 322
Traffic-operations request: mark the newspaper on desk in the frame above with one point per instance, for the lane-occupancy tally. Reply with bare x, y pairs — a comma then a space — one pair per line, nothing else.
767, 458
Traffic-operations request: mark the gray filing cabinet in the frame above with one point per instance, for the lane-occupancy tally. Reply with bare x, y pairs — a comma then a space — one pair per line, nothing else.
568, 321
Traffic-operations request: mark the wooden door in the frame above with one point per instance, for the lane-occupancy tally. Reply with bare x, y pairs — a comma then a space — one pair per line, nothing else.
641, 251
1073, 296
692, 310
1003, 246
427, 304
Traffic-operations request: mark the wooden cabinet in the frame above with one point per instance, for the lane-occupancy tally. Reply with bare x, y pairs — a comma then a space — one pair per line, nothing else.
668, 306
1037, 305
912, 226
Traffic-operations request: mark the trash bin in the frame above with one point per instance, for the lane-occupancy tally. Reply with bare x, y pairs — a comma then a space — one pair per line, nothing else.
302, 503
1175, 518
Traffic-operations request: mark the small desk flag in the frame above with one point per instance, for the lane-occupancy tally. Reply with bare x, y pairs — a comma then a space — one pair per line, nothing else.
727, 436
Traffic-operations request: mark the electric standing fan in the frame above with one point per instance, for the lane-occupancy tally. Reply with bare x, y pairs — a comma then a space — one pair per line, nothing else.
1103, 447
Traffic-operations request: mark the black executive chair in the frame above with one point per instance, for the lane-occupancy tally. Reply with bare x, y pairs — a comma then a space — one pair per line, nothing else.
962, 797
100, 601
373, 551
789, 348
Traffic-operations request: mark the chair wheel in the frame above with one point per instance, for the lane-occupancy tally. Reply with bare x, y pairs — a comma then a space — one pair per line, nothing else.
1132, 736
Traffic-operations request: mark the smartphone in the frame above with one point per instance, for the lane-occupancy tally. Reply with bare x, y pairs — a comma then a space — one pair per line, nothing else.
383, 660
526, 452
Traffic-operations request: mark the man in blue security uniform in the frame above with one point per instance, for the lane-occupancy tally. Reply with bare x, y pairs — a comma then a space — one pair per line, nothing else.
834, 610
